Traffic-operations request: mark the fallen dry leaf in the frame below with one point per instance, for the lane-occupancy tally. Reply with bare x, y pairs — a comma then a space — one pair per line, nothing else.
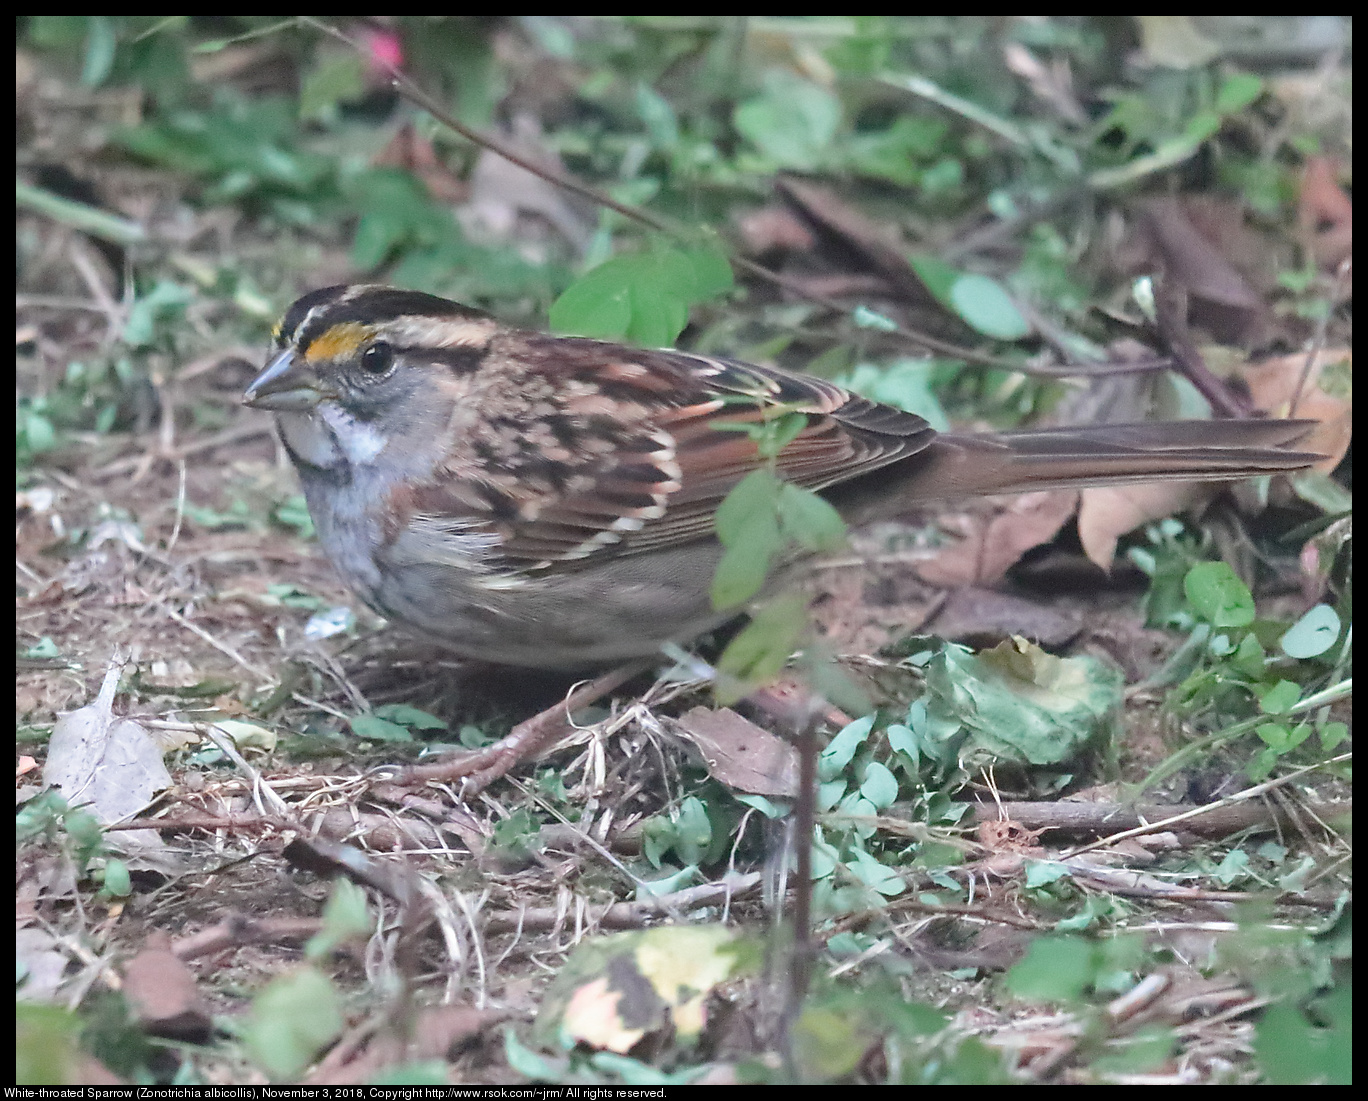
740, 754
994, 546
1220, 298
1326, 396
1326, 213
439, 1032
107, 764
162, 992
1105, 513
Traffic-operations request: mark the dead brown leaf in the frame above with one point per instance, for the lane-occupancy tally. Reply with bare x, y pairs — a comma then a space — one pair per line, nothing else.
774, 229
740, 754
877, 245
1220, 298
994, 546
1105, 513
439, 1032
1326, 214
163, 994
1325, 396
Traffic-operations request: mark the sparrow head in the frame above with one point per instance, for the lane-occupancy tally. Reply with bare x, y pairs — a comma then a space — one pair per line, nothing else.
367, 349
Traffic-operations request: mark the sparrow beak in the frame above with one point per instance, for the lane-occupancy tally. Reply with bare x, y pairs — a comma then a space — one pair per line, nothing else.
285, 386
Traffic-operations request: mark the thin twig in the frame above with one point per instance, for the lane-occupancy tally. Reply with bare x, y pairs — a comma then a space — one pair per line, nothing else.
221, 647
180, 507
1238, 797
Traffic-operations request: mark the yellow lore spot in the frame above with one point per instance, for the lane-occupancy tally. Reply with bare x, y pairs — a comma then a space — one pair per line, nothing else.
339, 342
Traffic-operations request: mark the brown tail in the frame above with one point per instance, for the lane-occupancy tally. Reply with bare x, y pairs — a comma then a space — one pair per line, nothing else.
1094, 455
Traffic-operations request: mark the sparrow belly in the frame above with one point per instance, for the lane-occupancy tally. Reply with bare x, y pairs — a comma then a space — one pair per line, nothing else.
613, 611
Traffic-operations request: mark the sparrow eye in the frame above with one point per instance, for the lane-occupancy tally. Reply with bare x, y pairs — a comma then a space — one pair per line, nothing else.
377, 359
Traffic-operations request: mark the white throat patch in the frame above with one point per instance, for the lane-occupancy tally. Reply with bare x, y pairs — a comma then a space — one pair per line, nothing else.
359, 442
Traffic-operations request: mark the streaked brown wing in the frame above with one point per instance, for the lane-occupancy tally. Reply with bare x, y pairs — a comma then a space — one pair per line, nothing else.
650, 472
625, 451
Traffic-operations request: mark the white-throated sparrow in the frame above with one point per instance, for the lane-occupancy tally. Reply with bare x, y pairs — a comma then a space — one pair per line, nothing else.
548, 501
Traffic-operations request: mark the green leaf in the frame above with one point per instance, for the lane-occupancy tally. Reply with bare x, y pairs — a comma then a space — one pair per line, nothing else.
1041, 873
1016, 702
1202, 125
1319, 489
839, 752
977, 300
100, 47
902, 740
894, 154
46, 1047
411, 717
1056, 969
659, 116
333, 78
57, 32
985, 305
761, 650
117, 881
644, 297
1276, 736
599, 308
164, 303
1298, 734
872, 874
865, 318
1147, 1049
378, 730
938, 276
532, 1064
345, 918
1280, 699
1218, 596
755, 495
291, 1021
792, 122
657, 838
427, 1072
740, 574
767, 807
693, 831
879, 786
905, 383
1331, 734
658, 317
39, 432
1233, 867
774, 434
516, 836
712, 272
1312, 635
1249, 657
293, 513
43, 648
810, 520
1292, 1051
1238, 91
